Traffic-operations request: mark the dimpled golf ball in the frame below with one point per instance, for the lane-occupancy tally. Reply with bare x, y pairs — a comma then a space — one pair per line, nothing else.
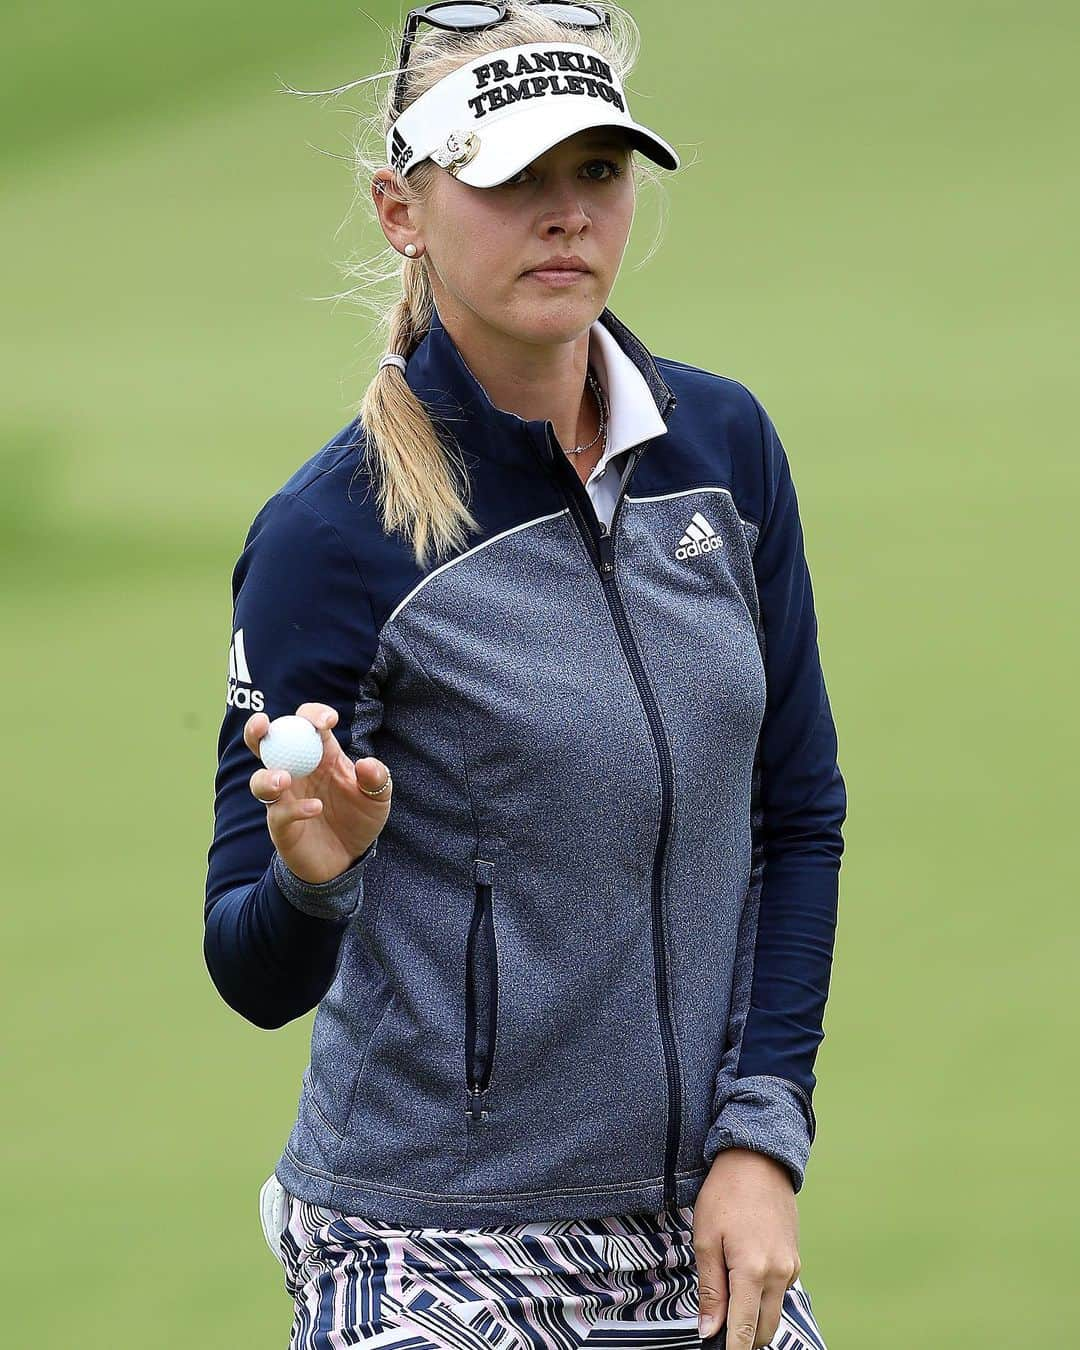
292, 743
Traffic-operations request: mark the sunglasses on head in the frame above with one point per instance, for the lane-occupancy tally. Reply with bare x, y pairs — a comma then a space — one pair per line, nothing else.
470, 15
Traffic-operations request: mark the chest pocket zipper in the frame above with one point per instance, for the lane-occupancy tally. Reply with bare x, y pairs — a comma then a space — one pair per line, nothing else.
481, 990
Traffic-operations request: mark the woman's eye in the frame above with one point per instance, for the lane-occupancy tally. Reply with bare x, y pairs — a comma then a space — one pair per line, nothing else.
610, 163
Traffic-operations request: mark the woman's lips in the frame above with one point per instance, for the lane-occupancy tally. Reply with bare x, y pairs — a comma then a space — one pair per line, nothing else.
565, 276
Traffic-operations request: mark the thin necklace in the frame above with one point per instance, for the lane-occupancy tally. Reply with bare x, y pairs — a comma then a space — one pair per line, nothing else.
598, 394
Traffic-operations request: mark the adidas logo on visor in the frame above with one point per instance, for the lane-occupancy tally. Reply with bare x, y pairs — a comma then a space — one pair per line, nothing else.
400, 151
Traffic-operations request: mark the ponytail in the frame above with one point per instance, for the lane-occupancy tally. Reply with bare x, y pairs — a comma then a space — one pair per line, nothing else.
411, 468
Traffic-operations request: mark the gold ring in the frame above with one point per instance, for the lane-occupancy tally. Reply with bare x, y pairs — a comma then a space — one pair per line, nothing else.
376, 792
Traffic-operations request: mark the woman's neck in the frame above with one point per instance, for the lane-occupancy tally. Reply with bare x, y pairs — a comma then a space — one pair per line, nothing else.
537, 381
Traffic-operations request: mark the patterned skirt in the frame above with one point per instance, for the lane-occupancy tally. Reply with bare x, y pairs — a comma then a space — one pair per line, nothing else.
617, 1282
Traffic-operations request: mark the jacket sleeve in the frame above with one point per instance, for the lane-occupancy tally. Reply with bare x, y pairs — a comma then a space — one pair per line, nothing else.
302, 631
764, 1089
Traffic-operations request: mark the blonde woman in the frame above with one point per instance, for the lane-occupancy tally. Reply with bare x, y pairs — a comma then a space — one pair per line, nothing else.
570, 961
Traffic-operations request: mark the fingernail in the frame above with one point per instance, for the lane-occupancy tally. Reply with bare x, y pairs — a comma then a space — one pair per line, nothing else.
277, 780
706, 1326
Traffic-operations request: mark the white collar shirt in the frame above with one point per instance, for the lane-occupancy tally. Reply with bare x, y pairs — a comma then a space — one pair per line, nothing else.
633, 417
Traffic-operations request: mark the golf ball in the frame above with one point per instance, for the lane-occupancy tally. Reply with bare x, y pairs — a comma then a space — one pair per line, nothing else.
292, 743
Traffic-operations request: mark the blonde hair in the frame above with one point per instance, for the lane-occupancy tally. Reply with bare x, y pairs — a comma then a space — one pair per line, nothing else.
422, 486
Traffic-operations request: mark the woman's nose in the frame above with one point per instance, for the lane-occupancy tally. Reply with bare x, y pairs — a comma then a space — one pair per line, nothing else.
569, 213
565, 206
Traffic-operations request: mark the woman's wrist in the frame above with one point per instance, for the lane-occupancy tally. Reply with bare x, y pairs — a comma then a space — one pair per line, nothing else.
335, 898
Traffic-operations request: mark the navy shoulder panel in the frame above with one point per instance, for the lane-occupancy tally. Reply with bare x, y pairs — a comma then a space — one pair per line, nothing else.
336, 485
333, 482
717, 427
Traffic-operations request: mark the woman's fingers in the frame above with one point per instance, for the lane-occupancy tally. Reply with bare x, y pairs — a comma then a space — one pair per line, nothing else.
272, 788
275, 789
255, 728
322, 717
743, 1308
712, 1289
372, 773
772, 1307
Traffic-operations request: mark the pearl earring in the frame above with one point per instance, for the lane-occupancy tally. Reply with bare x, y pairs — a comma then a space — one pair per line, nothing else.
410, 250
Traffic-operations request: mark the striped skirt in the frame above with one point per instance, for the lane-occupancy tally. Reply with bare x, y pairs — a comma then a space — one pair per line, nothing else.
617, 1282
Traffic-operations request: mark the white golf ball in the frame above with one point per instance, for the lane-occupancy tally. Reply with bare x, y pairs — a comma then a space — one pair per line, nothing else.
292, 743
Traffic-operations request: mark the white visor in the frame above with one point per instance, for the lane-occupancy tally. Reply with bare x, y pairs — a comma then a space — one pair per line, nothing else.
487, 120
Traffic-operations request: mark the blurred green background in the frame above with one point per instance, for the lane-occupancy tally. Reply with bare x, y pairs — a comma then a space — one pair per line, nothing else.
876, 231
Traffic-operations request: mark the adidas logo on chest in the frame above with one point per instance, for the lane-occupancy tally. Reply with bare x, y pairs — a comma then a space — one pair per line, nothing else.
700, 537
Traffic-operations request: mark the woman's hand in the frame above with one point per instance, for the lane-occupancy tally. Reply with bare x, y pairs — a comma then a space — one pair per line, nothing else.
322, 823
746, 1247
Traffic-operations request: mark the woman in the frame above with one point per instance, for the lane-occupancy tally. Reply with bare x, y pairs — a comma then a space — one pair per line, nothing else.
571, 961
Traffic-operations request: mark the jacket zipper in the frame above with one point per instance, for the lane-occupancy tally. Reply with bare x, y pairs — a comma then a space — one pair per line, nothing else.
481, 997
601, 545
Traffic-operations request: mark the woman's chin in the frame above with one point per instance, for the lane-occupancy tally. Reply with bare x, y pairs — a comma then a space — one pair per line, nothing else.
551, 316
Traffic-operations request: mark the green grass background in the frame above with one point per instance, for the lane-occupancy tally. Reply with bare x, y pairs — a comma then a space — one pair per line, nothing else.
876, 233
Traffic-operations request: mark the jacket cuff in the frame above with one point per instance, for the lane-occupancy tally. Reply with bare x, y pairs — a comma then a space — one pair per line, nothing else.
768, 1115
339, 898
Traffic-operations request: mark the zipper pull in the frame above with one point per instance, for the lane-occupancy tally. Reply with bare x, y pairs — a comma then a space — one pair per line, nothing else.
607, 552
474, 1107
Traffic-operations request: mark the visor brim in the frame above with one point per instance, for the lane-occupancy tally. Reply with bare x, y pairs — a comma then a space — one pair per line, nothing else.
511, 144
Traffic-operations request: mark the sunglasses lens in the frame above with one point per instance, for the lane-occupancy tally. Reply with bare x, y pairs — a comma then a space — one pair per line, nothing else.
576, 16
464, 15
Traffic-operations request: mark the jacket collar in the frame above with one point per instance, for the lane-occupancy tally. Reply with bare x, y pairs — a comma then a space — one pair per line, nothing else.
640, 399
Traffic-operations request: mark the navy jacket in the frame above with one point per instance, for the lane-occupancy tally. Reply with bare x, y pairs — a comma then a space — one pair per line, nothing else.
592, 945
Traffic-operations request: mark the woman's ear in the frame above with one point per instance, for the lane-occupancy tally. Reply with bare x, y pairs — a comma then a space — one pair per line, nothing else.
395, 216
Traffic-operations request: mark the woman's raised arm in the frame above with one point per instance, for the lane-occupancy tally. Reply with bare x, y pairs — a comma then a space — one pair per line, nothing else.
302, 633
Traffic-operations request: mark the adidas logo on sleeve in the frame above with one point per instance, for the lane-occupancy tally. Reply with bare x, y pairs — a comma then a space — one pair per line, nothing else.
240, 693
700, 537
